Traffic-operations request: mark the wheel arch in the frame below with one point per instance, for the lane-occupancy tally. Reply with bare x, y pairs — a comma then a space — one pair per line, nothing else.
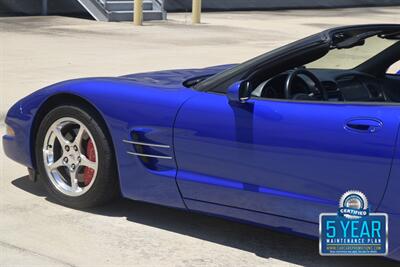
67, 99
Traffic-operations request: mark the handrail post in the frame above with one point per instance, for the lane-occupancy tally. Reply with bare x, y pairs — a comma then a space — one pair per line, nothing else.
138, 12
196, 11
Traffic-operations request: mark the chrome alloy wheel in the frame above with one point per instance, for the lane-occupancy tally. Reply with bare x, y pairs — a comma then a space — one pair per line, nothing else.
70, 156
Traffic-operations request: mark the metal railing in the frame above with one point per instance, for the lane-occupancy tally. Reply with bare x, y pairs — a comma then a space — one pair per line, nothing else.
157, 3
160, 5
103, 3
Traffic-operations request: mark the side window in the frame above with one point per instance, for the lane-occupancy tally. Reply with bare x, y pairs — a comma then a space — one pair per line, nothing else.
394, 69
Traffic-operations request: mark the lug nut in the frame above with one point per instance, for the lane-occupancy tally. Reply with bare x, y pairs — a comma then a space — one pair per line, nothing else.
79, 159
65, 160
75, 148
73, 166
67, 148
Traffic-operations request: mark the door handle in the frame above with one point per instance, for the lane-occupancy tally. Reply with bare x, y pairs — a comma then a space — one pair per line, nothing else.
364, 125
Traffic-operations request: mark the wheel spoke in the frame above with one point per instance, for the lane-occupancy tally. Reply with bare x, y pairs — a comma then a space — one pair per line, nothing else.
88, 163
78, 137
60, 137
56, 164
74, 180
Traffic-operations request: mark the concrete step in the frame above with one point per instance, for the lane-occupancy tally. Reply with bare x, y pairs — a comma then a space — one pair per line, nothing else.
128, 15
127, 5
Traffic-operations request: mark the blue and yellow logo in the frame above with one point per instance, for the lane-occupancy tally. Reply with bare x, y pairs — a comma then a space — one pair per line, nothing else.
353, 231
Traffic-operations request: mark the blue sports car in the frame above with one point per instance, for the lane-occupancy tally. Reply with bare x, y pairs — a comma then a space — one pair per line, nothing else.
275, 140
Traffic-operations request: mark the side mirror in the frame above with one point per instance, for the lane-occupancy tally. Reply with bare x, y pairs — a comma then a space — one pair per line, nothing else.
239, 92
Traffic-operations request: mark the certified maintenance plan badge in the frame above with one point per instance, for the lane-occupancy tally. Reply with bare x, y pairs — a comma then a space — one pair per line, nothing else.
353, 231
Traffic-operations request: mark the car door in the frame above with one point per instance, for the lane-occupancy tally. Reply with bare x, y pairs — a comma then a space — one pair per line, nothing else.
292, 159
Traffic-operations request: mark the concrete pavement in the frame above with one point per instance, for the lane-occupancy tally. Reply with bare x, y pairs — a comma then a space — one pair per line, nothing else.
38, 51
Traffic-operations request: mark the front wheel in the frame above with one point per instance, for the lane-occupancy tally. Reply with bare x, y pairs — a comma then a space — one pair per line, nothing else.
75, 158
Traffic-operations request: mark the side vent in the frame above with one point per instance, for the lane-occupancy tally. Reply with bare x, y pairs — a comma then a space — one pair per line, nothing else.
149, 153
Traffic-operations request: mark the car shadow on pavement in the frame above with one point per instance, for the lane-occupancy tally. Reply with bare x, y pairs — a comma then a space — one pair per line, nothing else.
261, 241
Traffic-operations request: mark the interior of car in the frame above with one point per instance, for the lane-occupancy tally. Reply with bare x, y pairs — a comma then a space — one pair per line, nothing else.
358, 68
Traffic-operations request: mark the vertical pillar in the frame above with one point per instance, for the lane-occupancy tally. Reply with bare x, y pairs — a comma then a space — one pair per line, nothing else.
138, 12
196, 11
44, 7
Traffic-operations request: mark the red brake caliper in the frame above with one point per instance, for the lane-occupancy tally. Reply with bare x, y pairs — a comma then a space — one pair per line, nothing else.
88, 173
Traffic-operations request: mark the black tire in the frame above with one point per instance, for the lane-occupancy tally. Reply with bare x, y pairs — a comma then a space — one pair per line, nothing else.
105, 186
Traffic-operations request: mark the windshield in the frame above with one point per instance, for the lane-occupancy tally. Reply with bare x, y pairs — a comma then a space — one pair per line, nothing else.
225, 78
350, 58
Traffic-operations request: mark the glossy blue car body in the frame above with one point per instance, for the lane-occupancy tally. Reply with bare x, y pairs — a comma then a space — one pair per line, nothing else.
270, 162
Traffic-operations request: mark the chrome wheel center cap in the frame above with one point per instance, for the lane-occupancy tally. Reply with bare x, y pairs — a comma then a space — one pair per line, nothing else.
73, 157
73, 160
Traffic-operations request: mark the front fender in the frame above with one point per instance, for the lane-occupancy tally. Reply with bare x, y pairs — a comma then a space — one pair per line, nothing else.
126, 106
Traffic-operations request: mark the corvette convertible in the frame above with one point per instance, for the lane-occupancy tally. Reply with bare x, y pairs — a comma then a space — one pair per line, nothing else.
275, 140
